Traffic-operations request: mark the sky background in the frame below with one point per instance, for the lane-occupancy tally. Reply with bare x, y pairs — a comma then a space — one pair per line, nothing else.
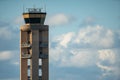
84, 38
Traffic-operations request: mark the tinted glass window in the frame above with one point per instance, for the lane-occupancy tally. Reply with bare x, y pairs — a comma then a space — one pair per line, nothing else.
32, 20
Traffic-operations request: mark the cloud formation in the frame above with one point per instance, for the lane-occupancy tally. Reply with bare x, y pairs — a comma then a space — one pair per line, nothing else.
9, 61
107, 55
10, 55
79, 58
65, 39
19, 21
5, 33
91, 46
109, 63
95, 36
88, 21
8, 36
92, 37
5, 55
59, 19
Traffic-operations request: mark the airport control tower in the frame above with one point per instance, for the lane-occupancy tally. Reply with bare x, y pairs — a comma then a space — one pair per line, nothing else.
34, 48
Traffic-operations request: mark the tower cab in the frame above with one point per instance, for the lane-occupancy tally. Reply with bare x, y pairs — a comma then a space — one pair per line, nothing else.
34, 16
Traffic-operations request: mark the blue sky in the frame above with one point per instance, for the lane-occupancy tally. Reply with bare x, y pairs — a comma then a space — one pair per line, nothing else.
84, 38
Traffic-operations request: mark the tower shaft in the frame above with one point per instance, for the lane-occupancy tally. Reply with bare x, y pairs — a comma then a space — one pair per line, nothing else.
34, 51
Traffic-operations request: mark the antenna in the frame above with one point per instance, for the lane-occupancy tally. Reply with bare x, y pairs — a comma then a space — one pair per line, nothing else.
23, 8
43, 5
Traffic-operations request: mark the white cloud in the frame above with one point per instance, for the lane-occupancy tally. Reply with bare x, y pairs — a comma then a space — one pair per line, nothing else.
111, 68
96, 36
19, 20
106, 71
58, 19
71, 49
55, 54
6, 55
5, 33
79, 58
65, 39
108, 55
12, 56
16, 63
104, 67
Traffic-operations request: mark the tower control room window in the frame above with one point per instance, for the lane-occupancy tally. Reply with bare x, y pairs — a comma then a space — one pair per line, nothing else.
32, 20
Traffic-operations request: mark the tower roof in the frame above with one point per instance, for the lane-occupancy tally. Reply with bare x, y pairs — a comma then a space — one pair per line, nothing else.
34, 15
34, 10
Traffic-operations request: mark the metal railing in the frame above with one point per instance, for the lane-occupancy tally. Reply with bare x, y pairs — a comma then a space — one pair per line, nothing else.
26, 55
25, 44
34, 10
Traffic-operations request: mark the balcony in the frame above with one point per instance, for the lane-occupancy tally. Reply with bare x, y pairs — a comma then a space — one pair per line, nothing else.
25, 45
43, 44
26, 55
43, 56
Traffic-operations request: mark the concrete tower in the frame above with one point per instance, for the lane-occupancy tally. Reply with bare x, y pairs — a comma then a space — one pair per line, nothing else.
34, 46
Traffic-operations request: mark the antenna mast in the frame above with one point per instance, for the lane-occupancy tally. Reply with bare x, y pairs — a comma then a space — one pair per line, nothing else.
43, 5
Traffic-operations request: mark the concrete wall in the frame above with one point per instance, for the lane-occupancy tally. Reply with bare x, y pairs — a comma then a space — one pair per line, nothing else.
23, 65
35, 37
